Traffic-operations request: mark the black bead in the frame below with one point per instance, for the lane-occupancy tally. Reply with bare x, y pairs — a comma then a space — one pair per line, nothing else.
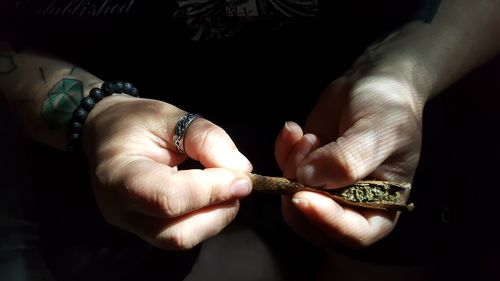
87, 103
127, 87
134, 92
75, 127
119, 86
96, 94
73, 138
79, 115
108, 88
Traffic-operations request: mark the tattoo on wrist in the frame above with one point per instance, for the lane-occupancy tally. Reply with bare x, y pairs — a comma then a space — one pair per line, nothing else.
61, 101
72, 70
7, 65
428, 10
42, 73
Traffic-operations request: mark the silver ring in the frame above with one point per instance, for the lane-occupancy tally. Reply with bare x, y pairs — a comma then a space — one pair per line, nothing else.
181, 129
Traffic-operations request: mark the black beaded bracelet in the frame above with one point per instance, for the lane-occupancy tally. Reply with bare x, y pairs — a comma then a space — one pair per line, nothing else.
80, 114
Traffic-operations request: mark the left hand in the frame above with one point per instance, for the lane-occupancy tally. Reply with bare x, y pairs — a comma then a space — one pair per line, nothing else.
359, 128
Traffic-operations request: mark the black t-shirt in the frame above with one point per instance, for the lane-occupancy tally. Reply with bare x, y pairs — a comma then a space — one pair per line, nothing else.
248, 66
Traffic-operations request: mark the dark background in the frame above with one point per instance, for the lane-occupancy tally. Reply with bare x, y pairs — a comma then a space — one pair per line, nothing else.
250, 85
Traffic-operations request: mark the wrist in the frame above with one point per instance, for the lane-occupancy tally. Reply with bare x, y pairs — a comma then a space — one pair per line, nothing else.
92, 105
395, 61
104, 106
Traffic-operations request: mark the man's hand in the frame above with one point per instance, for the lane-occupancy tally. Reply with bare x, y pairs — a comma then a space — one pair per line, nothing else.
360, 128
135, 177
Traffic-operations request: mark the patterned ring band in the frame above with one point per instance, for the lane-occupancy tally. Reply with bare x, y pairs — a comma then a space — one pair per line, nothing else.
181, 129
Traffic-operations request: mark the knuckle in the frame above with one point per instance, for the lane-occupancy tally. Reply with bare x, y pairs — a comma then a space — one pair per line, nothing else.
349, 166
212, 135
169, 207
351, 160
169, 238
217, 194
151, 195
168, 200
177, 240
180, 241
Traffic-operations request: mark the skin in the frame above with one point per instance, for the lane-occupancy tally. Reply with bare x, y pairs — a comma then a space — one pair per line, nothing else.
133, 163
137, 183
367, 123
132, 160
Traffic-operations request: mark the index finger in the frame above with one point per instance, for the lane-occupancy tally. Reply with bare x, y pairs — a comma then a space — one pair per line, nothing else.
211, 145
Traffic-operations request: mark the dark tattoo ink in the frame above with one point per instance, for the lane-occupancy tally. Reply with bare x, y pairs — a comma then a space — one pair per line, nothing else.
72, 69
428, 10
42, 73
7, 65
61, 101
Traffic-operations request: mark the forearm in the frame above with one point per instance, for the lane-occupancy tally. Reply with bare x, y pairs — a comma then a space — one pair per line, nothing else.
43, 92
462, 35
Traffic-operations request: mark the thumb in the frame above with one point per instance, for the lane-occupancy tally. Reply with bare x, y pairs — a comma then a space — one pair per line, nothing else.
350, 158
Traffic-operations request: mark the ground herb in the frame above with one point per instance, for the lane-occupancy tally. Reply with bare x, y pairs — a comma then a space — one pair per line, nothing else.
380, 195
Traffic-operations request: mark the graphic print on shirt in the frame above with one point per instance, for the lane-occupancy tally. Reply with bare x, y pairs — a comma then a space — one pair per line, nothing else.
218, 19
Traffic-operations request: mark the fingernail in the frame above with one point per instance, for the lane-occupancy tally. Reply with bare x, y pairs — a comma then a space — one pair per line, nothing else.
241, 188
311, 139
290, 125
300, 201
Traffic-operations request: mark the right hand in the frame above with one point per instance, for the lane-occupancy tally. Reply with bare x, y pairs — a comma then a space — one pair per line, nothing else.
365, 125
135, 179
